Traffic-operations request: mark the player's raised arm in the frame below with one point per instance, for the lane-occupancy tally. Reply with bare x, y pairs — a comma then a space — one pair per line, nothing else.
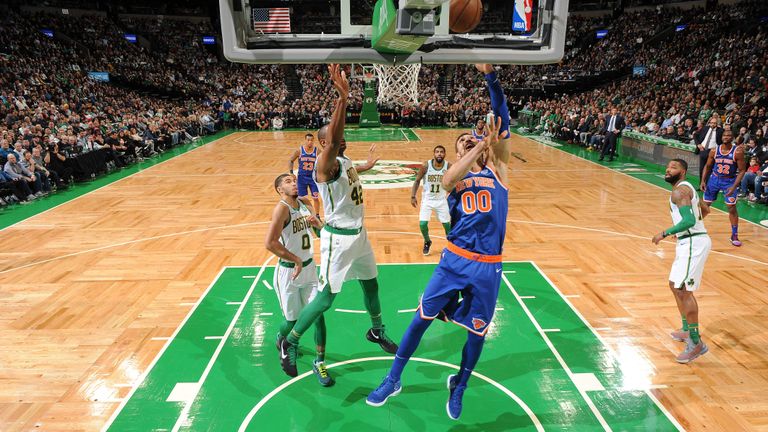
501, 149
294, 156
417, 182
326, 162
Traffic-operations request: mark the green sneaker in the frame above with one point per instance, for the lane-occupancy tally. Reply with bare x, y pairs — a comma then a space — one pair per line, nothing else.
321, 372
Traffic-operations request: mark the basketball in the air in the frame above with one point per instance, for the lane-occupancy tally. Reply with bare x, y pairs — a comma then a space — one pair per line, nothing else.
465, 15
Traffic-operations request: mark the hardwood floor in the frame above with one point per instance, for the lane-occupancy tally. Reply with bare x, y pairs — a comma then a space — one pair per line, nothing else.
90, 289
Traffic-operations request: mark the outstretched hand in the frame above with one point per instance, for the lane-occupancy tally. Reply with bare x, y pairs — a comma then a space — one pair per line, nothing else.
372, 159
494, 125
485, 68
340, 81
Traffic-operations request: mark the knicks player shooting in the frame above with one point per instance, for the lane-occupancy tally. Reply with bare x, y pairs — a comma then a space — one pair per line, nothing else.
725, 159
345, 250
693, 246
433, 195
465, 284
295, 281
307, 156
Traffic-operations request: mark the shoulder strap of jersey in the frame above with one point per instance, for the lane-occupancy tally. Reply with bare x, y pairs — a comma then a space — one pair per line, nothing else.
290, 209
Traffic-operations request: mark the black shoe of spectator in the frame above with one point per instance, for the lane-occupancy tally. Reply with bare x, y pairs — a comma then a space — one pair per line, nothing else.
601, 159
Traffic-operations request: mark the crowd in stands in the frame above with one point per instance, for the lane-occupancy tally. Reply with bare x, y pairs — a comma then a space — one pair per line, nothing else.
714, 68
58, 125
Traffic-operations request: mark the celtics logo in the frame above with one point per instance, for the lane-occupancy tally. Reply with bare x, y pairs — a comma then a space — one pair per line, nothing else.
390, 174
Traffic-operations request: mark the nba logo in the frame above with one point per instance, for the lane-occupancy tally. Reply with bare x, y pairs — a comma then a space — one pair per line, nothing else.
521, 19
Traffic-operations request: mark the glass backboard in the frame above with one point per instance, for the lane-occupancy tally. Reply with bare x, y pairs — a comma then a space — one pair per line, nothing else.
343, 31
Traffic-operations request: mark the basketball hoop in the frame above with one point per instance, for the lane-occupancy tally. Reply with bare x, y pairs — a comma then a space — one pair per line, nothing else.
398, 84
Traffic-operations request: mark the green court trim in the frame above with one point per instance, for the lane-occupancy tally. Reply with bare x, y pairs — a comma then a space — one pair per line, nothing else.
574, 344
647, 172
381, 134
14, 214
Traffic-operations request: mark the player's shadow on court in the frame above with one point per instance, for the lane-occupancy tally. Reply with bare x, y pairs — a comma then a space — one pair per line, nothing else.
503, 422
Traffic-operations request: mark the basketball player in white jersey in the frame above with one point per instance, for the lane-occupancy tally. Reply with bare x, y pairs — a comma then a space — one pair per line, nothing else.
433, 197
295, 280
693, 246
345, 250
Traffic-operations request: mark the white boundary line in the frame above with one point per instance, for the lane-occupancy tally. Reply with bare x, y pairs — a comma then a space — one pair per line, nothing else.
543, 334
671, 418
160, 354
248, 418
402, 131
116, 181
188, 405
350, 311
417, 135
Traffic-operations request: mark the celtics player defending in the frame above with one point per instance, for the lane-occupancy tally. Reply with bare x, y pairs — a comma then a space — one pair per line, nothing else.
470, 266
693, 246
345, 251
295, 281
433, 196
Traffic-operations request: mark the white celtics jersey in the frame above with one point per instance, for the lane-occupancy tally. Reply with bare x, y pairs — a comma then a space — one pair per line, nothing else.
698, 228
297, 234
433, 183
342, 197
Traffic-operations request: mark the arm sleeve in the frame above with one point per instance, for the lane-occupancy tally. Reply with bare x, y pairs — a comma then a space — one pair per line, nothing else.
498, 100
688, 221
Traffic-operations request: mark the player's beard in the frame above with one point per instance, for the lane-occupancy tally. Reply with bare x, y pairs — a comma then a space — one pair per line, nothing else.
672, 179
439, 160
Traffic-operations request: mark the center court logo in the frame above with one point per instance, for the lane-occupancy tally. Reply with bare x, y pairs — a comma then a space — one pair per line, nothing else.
390, 174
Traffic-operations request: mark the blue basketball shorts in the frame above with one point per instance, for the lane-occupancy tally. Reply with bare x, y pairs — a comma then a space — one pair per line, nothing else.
465, 290
305, 183
716, 184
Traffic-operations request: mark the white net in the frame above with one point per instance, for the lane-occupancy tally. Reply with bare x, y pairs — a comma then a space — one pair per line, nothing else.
398, 84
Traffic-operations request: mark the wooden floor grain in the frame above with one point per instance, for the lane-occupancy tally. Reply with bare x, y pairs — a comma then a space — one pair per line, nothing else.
90, 289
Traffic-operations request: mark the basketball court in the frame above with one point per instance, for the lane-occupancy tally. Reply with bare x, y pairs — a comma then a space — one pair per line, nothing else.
116, 323
146, 304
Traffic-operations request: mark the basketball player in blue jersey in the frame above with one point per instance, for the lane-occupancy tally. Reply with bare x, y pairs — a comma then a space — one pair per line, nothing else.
729, 167
307, 156
480, 132
470, 266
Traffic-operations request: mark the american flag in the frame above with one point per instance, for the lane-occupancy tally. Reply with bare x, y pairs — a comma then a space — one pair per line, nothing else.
272, 20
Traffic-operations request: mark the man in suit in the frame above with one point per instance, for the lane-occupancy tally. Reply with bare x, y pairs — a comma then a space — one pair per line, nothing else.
706, 139
614, 124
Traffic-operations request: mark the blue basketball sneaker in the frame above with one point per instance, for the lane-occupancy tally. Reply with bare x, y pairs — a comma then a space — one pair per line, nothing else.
453, 406
387, 389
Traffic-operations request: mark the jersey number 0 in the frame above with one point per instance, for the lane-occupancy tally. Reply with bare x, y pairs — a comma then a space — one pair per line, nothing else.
472, 202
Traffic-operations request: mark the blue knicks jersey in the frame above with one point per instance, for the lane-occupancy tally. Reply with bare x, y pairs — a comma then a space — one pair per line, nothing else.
307, 163
725, 164
479, 204
479, 136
